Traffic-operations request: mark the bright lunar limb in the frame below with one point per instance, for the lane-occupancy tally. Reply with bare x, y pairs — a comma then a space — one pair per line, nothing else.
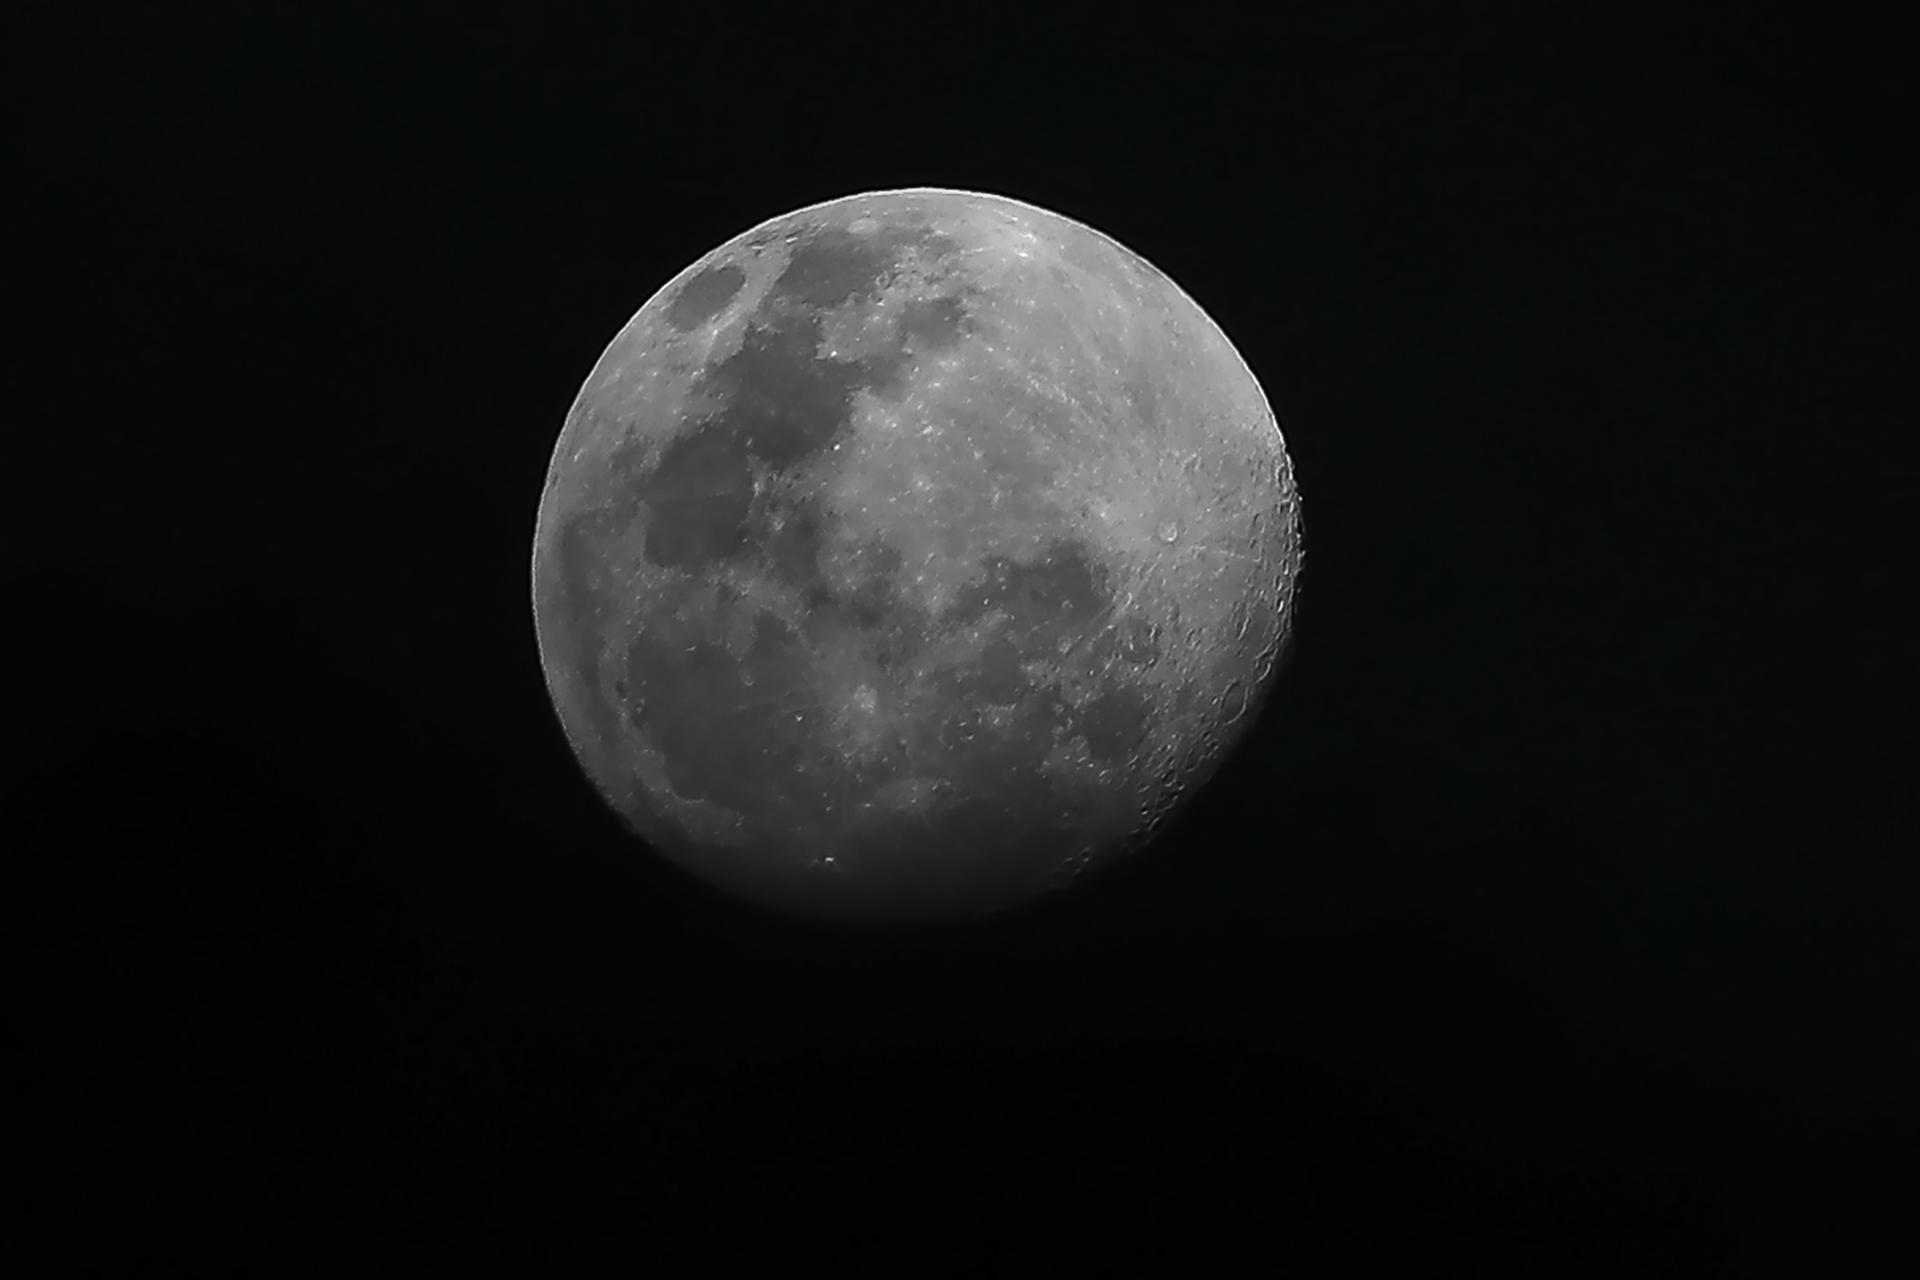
910, 554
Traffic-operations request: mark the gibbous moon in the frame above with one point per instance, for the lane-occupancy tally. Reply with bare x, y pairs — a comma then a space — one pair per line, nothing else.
910, 555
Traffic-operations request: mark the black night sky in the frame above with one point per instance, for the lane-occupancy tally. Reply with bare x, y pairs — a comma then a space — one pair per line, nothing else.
1556, 917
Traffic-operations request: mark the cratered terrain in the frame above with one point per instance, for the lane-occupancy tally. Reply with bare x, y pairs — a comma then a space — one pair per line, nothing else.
908, 555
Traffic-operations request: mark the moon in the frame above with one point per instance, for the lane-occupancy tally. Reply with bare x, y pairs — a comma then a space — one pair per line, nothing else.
911, 556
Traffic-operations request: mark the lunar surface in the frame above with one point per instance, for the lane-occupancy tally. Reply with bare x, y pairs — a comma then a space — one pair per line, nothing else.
909, 555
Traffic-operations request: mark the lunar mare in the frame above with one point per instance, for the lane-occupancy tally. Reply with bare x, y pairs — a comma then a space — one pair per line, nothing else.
911, 553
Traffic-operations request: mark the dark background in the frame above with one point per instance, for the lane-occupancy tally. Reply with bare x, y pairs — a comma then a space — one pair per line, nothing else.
1554, 919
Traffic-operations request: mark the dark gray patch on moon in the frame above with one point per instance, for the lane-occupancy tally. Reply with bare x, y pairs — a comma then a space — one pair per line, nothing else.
705, 296
1048, 600
697, 500
733, 731
1000, 678
833, 266
1114, 722
873, 597
779, 399
790, 537
932, 324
